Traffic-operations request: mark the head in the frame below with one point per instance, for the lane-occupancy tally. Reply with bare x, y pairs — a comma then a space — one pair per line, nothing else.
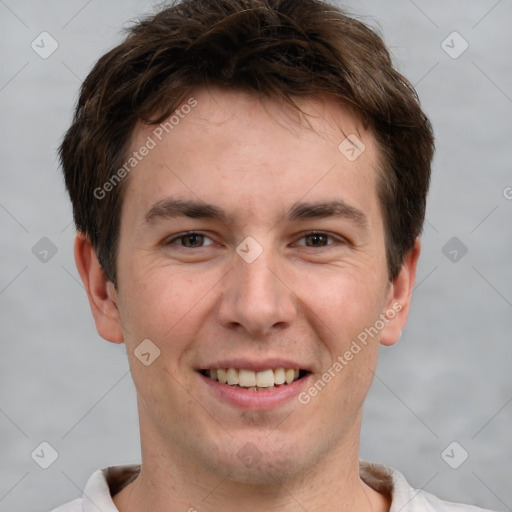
245, 109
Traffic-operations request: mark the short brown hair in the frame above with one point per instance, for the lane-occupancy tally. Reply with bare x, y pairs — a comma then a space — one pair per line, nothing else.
273, 48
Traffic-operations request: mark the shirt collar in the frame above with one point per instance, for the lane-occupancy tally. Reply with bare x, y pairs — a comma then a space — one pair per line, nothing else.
105, 483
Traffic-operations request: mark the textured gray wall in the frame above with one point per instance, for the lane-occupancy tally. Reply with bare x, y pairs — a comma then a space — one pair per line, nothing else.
447, 380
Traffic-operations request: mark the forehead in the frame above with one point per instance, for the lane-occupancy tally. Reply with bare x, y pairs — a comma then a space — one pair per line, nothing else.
252, 154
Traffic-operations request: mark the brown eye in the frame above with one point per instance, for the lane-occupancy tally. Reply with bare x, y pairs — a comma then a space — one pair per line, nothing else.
190, 240
316, 240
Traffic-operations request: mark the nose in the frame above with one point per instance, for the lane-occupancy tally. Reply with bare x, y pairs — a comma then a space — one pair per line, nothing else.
256, 296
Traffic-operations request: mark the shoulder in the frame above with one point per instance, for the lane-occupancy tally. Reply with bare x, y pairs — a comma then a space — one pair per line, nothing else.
404, 498
429, 502
99, 489
72, 506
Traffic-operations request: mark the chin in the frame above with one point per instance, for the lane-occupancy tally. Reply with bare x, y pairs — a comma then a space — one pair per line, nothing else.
260, 462
270, 470
262, 476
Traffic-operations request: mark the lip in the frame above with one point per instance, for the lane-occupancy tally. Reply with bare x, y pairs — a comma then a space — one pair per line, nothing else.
256, 400
256, 366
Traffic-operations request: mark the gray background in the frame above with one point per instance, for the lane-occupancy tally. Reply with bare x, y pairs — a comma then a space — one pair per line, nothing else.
447, 380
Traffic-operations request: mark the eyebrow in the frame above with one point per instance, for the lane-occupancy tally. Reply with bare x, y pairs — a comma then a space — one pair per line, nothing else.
171, 208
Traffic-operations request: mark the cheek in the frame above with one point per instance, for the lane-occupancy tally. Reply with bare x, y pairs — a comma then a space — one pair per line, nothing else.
343, 305
157, 304
343, 314
163, 307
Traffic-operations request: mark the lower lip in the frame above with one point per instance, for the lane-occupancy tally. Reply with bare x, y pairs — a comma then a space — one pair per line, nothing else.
256, 400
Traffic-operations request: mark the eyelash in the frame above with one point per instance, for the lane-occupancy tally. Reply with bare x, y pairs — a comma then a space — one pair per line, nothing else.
182, 236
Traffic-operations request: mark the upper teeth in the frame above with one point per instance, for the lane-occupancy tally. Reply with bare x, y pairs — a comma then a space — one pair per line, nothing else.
249, 378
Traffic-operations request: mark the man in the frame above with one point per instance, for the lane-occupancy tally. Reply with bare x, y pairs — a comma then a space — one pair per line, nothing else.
248, 180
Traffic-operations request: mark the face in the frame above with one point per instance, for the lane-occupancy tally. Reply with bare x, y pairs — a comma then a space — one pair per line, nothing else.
250, 241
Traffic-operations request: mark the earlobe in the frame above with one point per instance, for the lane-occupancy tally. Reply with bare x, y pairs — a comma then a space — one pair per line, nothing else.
100, 292
400, 297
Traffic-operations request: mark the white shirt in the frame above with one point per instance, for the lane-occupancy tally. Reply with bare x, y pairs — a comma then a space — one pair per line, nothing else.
97, 493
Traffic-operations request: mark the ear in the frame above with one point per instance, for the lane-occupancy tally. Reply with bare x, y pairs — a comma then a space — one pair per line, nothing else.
399, 297
100, 292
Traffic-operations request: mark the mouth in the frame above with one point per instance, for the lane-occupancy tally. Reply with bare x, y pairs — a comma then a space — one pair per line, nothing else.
250, 380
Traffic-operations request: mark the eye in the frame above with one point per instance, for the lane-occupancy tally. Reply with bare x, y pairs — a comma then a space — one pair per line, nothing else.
317, 239
190, 240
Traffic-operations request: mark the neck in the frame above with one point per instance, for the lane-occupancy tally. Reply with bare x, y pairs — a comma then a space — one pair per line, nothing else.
169, 478
156, 493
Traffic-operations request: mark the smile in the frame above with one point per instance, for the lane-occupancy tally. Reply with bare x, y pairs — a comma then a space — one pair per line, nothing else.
255, 380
